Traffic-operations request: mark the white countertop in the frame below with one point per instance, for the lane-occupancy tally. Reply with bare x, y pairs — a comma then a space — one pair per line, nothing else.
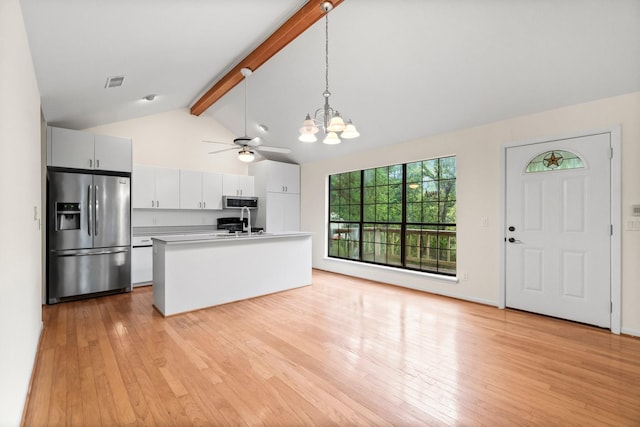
219, 238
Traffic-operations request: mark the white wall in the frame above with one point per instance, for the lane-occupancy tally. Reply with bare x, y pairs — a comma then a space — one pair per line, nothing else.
20, 192
176, 139
478, 186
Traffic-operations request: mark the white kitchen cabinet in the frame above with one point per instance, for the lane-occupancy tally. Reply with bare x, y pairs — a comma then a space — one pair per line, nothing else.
237, 185
282, 212
278, 190
200, 190
276, 177
112, 153
84, 150
141, 261
167, 188
155, 187
212, 190
70, 148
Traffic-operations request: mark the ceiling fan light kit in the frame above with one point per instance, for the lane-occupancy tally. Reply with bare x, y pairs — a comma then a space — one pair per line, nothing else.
327, 117
245, 155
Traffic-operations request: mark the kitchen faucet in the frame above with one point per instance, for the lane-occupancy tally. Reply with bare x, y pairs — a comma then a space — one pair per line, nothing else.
248, 218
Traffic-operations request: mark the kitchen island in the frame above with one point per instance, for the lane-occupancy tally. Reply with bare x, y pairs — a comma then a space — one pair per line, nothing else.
194, 272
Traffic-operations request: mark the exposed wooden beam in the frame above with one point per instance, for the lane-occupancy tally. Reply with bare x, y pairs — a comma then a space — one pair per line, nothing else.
308, 14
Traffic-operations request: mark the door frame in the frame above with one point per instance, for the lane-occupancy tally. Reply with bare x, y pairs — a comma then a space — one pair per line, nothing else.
615, 215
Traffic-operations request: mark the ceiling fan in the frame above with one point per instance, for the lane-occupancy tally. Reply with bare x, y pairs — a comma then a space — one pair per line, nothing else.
248, 146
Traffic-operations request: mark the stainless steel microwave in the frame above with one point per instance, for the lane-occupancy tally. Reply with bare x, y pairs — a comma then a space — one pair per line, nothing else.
239, 202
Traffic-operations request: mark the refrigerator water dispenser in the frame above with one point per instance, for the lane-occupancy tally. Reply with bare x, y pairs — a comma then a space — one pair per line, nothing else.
67, 216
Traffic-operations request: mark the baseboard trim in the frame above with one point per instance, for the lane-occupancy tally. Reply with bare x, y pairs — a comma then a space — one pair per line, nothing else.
417, 288
33, 372
632, 332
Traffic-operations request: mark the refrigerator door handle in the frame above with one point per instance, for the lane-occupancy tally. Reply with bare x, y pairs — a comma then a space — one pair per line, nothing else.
95, 228
94, 253
90, 210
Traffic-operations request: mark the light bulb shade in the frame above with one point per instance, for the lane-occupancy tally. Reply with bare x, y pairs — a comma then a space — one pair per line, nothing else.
245, 156
350, 132
307, 137
331, 139
308, 126
336, 124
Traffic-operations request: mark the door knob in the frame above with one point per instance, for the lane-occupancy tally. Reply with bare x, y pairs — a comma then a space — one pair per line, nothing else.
512, 240
512, 228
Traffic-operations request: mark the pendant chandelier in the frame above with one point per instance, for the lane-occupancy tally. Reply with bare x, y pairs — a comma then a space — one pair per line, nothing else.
327, 117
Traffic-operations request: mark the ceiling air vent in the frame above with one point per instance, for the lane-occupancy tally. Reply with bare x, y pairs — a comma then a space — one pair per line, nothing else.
114, 81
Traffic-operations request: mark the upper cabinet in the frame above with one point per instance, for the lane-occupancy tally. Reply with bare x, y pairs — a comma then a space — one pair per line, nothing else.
278, 191
84, 150
237, 185
112, 153
200, 190
276, 177
155, 188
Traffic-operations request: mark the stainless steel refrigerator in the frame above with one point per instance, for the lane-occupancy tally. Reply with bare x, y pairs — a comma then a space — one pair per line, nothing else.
88, 235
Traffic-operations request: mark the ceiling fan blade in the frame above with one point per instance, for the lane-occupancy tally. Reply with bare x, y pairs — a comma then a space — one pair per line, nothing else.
218, 142
273, 149
222, 151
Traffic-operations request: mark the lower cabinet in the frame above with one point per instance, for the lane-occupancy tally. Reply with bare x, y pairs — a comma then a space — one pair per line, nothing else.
141, 262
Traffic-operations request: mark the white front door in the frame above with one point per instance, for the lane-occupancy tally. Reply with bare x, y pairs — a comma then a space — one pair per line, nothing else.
558, 236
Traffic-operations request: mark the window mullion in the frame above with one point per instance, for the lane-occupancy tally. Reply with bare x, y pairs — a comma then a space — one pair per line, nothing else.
403, 225
361, 224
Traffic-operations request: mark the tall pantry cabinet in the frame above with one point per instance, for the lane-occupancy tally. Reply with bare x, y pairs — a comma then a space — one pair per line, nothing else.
277, 186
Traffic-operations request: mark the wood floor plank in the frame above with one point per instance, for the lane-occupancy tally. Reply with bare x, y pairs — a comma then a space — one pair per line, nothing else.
344, 351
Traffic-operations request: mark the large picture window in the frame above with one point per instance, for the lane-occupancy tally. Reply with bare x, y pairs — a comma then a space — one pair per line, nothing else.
401, 215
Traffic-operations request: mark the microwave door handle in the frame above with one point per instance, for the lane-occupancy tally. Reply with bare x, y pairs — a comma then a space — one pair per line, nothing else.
89, 210
95, 228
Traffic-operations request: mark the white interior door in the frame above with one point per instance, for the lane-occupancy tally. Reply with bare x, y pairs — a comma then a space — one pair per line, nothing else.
558, 237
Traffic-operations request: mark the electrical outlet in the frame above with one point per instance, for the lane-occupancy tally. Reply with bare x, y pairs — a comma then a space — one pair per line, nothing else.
464, 276
632, 224
484, 222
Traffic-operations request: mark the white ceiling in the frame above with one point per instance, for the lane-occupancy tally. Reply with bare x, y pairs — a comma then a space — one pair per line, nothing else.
400, 69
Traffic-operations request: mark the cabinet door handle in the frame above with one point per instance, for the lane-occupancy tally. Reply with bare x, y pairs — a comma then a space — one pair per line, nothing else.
90, 163
153, 204
98, 163
204, 204
199, 204
157, 203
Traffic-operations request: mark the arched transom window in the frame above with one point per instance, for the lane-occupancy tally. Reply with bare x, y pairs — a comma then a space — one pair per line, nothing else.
554, 160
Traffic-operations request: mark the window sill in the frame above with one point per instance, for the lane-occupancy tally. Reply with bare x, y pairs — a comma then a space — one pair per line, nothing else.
433, 276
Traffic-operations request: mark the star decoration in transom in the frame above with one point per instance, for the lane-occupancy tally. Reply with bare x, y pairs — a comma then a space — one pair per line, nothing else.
552, 160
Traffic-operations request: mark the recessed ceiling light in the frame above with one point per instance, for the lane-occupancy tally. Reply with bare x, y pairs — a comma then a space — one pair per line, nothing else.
150, 97
114, 81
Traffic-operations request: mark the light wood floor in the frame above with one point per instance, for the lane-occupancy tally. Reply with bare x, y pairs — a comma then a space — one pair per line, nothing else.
343, 351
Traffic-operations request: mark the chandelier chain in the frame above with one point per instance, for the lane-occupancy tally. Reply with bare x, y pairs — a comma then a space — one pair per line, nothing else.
326, 50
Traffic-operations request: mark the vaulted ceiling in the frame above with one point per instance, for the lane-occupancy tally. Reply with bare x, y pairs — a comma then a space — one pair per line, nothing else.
400, 69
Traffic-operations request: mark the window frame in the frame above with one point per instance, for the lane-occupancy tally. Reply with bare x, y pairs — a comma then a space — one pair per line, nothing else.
346, 238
